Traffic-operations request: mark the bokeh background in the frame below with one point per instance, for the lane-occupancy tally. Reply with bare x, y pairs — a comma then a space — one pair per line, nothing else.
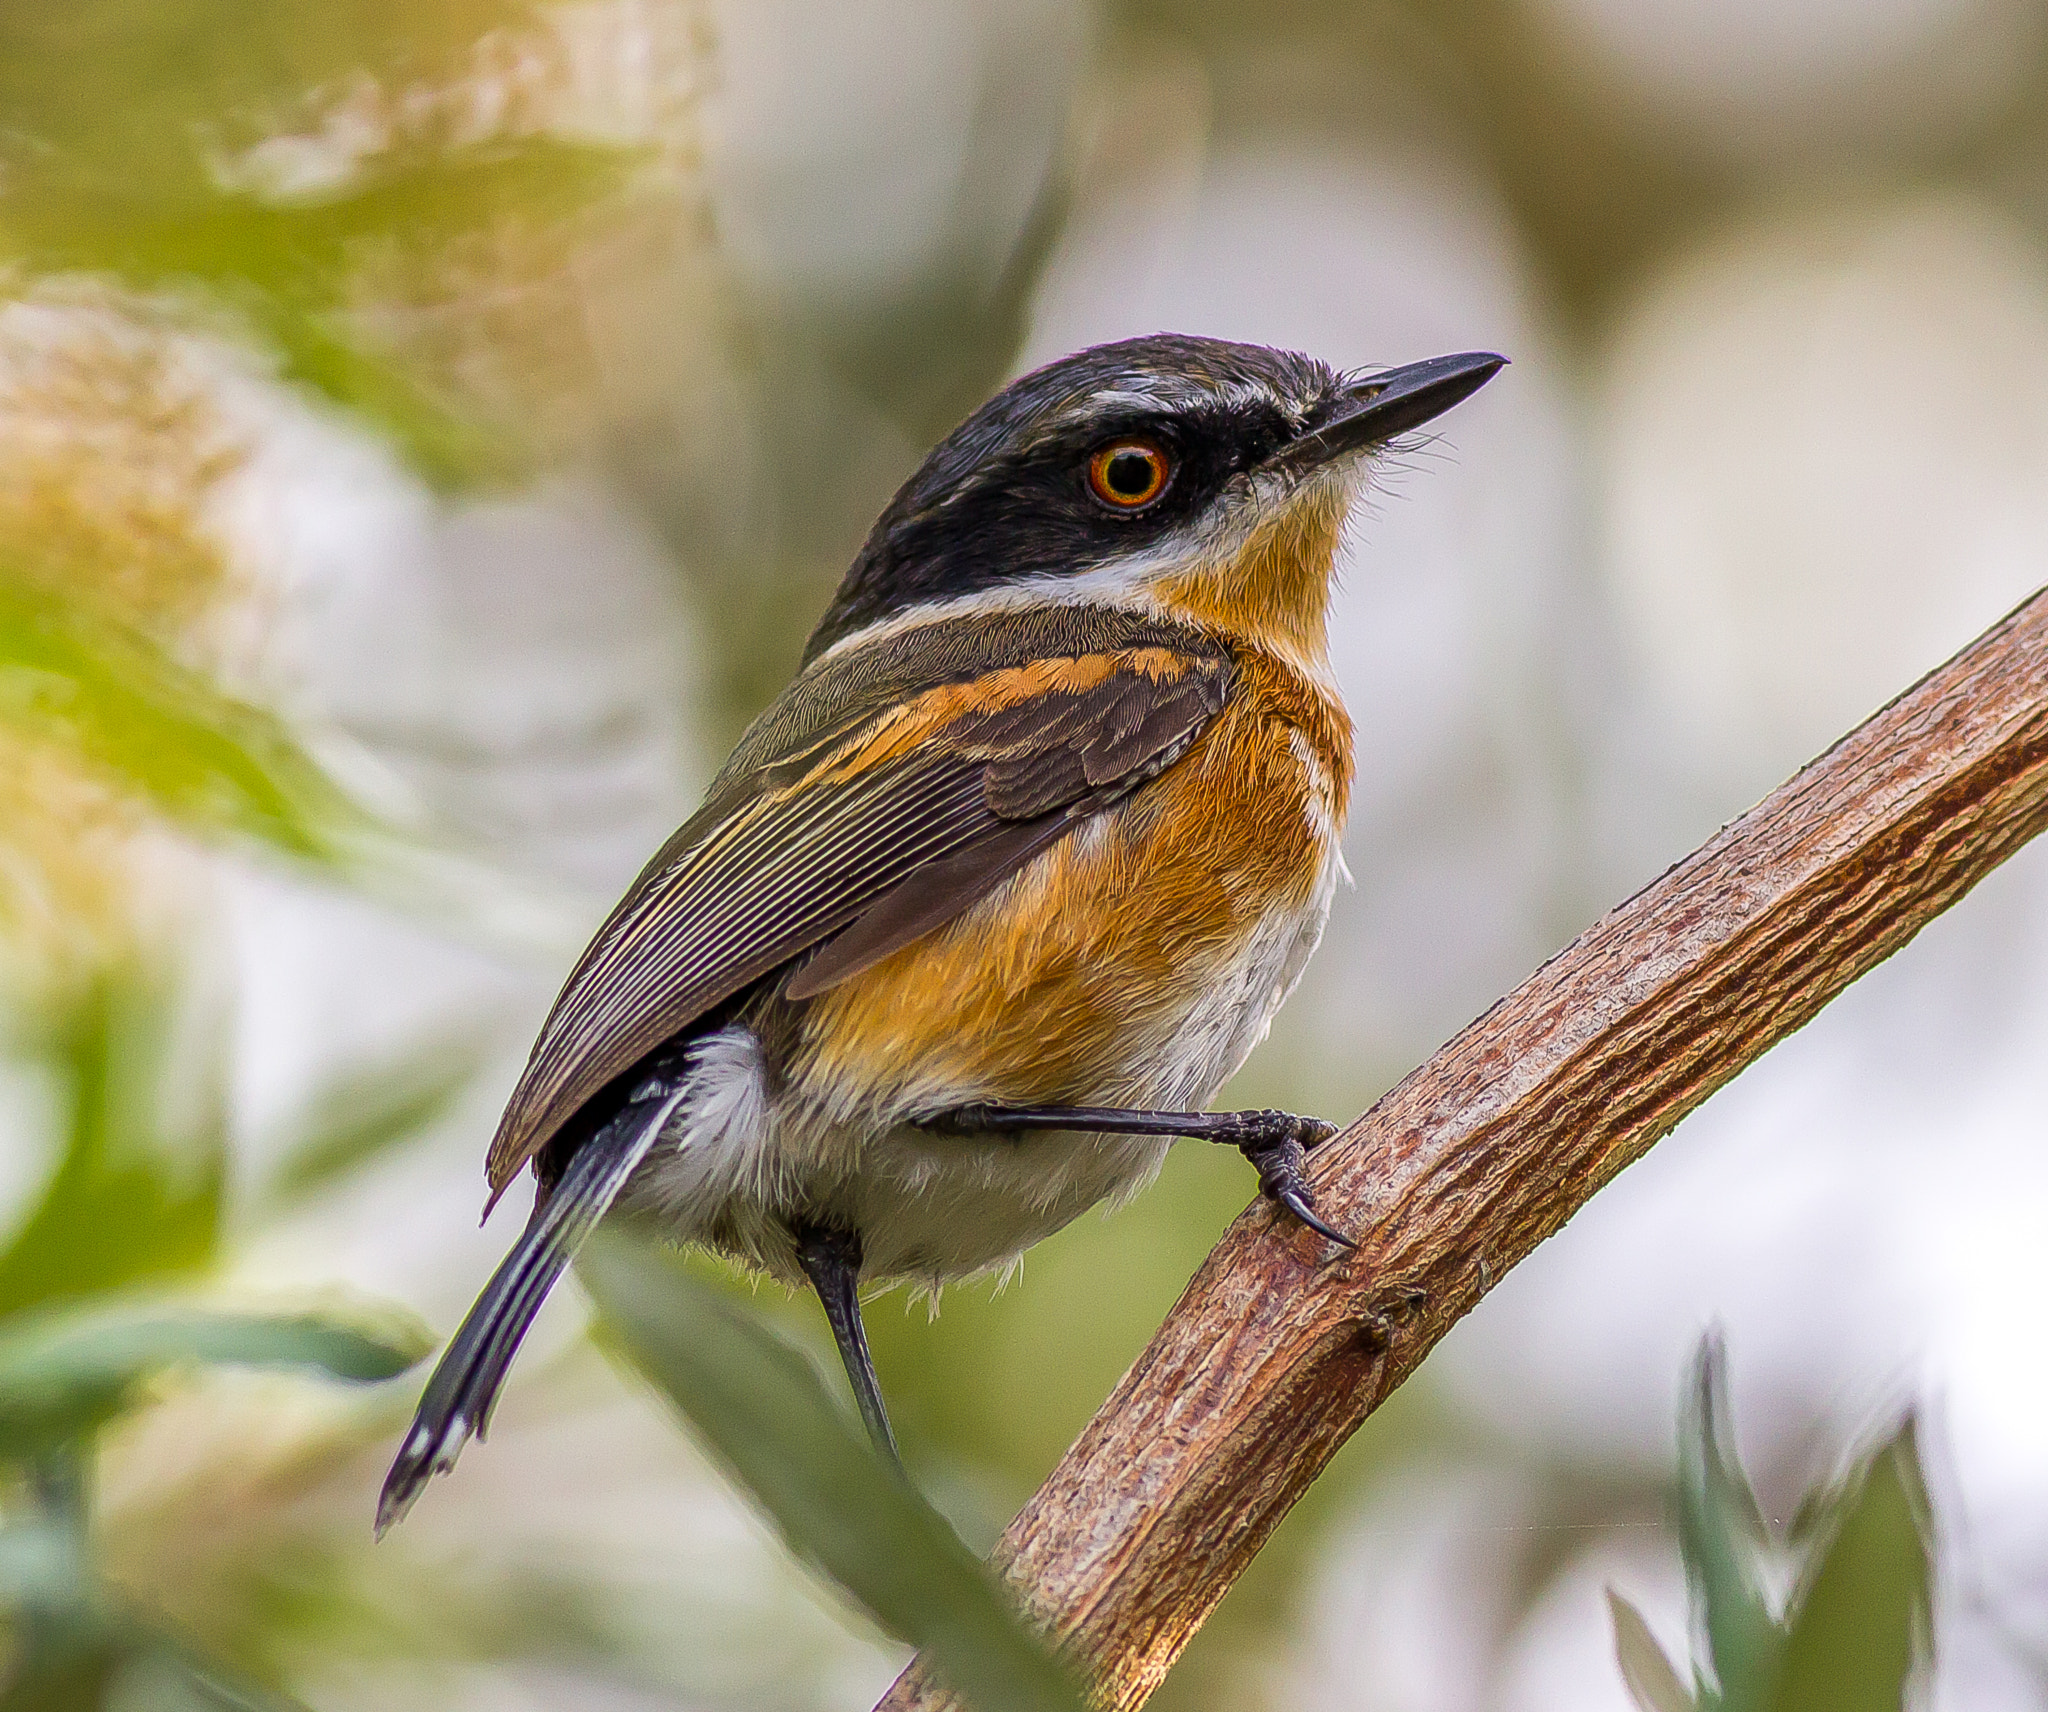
438, 428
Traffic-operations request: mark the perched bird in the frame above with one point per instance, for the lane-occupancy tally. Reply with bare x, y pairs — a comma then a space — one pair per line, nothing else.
1003, 887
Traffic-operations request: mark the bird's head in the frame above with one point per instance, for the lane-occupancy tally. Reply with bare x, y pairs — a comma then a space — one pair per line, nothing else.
1196, 478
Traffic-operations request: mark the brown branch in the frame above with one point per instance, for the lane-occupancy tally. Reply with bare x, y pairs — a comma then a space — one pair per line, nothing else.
1280, 1348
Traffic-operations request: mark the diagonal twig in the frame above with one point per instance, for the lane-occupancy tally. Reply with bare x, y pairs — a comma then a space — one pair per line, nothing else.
1280, 1347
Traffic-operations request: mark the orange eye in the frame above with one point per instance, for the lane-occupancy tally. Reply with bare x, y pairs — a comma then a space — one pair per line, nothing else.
1128, 474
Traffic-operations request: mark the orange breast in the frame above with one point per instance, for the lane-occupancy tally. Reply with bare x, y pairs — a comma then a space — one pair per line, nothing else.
1048, 990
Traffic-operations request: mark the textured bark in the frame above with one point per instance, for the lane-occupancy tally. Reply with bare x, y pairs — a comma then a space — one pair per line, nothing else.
1280, 1346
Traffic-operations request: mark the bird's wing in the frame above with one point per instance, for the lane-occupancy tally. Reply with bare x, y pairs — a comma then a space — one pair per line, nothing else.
878, 832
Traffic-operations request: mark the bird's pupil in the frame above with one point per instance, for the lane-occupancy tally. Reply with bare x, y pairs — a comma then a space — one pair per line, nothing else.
1129, 473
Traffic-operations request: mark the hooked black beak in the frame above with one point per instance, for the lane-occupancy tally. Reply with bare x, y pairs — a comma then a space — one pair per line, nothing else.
1374, 408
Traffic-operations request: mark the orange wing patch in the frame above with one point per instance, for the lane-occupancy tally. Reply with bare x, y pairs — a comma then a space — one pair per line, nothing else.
904, 729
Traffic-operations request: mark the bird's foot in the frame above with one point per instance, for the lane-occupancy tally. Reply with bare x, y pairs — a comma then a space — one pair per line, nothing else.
1277, 1144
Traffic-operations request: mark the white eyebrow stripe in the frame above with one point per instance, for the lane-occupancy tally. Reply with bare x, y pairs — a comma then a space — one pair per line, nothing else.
1177, 391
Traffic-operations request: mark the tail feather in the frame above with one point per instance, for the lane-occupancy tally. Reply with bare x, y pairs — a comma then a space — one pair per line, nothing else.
457, 1402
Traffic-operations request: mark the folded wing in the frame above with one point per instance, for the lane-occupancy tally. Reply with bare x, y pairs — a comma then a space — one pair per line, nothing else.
867, 840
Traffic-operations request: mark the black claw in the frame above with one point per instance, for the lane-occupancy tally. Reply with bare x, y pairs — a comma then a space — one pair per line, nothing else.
1291, 1199
1280, 1179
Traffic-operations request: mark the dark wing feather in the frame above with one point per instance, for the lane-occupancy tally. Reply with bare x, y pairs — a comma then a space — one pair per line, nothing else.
784, 859
934, 896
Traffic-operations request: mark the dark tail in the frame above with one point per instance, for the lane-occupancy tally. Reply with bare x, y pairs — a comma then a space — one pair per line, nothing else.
459, 1397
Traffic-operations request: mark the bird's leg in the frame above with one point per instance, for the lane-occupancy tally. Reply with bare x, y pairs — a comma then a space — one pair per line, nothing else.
831, 1260
1277, 1143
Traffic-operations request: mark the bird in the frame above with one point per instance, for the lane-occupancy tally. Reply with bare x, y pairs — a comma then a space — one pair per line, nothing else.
989, 903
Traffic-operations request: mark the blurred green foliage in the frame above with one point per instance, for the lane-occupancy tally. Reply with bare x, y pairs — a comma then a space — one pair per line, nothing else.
84, 1333
1854, 1633
127, 1204
764, 1412
118, 701
369, 1108
126, 155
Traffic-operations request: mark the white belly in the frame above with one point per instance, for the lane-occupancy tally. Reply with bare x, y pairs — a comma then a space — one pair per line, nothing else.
739, 1161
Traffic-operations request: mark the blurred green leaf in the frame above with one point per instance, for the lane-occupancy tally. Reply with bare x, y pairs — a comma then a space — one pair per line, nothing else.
167, 1676
139, 87
1724, 1540
1648, 1675
74, 1681
449, 449
122, 1206
1857, 1626
1864, 1619
369, 1109
764, 1410
66, 1638
202, 756
40, 1563
285, 264
299, 248
61, 1376
119, 1662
